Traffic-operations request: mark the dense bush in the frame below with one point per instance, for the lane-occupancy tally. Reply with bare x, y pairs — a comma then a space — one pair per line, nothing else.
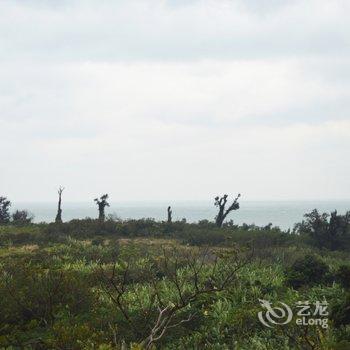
21, 234
326, 231
341, 311
82, 228
343, 276
104, 284
203, 233
63, 293
4, 210
142, 227
29, 294
307, 271
21, 218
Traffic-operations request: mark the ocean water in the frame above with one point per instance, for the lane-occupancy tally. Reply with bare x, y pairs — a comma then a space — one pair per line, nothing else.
280, 213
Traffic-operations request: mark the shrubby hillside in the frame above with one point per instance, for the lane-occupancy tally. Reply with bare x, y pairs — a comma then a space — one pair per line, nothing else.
142, 284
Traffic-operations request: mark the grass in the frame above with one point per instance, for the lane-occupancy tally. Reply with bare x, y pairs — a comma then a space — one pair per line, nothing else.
55, 290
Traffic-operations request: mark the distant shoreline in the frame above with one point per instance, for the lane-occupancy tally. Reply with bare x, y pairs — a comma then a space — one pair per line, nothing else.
280, 213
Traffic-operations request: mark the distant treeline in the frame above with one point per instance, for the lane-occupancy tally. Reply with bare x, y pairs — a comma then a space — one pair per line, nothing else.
320, 230
23, 217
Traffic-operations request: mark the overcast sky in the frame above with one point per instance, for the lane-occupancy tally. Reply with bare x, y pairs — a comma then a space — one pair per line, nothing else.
175, 99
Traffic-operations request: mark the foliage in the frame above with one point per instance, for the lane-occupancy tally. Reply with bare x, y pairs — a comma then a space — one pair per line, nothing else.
21, 218
341, 311
133, 284
343, 276
326, 231
191, 275
308, 270
4, 210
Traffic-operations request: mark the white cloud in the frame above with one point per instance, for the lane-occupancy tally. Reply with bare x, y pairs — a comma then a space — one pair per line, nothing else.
173, 99
157, 30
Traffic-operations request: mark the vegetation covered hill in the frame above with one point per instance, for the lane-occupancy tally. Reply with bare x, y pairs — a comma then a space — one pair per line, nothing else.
142, 284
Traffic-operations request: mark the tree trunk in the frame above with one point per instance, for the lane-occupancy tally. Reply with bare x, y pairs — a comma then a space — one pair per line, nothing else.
170, 212
101, 212
59, 209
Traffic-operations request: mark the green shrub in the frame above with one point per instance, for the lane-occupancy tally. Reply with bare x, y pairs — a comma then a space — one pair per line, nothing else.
343, 276
199, 237
28, 293
326, 231
309, 270
340, 313
97, 241
22, 218
4, 210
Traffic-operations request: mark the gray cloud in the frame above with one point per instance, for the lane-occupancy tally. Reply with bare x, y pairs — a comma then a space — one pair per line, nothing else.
210, 96
158, 30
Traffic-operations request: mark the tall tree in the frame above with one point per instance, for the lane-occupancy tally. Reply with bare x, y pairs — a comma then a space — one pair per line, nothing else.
220, 202
170, 213
4, 210
59, 208
102, 204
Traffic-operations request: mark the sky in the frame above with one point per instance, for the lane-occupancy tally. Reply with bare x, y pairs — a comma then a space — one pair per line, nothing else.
175, 99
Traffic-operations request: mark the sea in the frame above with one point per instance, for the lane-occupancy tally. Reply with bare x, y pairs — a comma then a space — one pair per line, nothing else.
280, 213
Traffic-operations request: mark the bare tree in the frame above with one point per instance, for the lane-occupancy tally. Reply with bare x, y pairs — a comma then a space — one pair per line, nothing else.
170, 213
59, 206
102, 204
220, 202
190, 274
